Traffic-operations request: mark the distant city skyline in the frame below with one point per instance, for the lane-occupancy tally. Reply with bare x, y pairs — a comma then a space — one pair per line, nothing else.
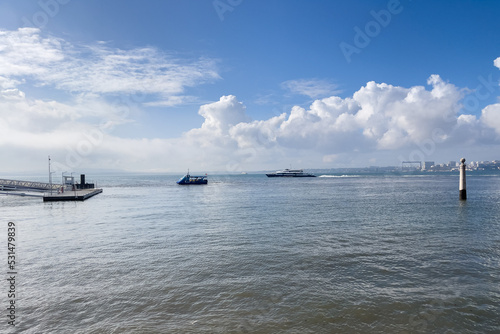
453, 165
229, 86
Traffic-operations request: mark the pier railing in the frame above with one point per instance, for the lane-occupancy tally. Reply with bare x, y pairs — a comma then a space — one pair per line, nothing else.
27, 185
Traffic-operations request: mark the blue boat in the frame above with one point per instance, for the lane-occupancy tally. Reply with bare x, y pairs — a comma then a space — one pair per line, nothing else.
191, 179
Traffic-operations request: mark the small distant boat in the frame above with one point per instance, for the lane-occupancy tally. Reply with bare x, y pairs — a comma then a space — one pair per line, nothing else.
191, 179
290, 173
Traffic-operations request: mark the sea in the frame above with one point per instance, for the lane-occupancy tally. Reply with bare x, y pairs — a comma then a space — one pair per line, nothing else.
339, 253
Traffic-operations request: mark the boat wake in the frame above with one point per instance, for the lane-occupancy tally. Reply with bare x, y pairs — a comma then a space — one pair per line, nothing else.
339, 176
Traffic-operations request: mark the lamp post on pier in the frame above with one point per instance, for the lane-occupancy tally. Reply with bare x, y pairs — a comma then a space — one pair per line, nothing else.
50, 177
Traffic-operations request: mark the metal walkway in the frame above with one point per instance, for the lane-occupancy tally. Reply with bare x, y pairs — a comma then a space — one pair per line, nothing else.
27, 185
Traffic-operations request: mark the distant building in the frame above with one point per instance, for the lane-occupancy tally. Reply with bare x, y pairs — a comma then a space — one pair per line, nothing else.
452, 164
488, 165
428, 165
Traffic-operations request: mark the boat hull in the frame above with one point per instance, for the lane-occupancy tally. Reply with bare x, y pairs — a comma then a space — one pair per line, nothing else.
194, 182
289, 175
189, 179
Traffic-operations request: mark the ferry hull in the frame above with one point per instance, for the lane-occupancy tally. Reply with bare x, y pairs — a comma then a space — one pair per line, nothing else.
290, 175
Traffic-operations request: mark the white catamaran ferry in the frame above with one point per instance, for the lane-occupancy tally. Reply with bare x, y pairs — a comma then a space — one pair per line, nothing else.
290, 173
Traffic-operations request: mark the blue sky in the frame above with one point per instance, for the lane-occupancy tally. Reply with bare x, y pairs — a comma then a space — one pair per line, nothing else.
232, 85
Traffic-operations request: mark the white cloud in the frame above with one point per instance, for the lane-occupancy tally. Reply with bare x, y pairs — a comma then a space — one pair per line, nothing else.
25, 53
313, 88
171, 101
32, 115
223, 114
378, 118
490, 117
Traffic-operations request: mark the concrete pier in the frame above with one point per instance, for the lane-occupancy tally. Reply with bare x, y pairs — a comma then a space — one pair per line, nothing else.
72, 195
462, 189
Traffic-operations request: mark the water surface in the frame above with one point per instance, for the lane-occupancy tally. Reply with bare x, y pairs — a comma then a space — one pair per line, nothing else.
251, 254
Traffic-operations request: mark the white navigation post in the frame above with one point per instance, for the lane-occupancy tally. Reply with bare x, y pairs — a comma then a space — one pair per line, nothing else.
462, 187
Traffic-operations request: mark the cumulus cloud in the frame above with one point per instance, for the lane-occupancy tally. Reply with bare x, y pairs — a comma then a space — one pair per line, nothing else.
490, 116
223, 114
377, 118
313, 88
